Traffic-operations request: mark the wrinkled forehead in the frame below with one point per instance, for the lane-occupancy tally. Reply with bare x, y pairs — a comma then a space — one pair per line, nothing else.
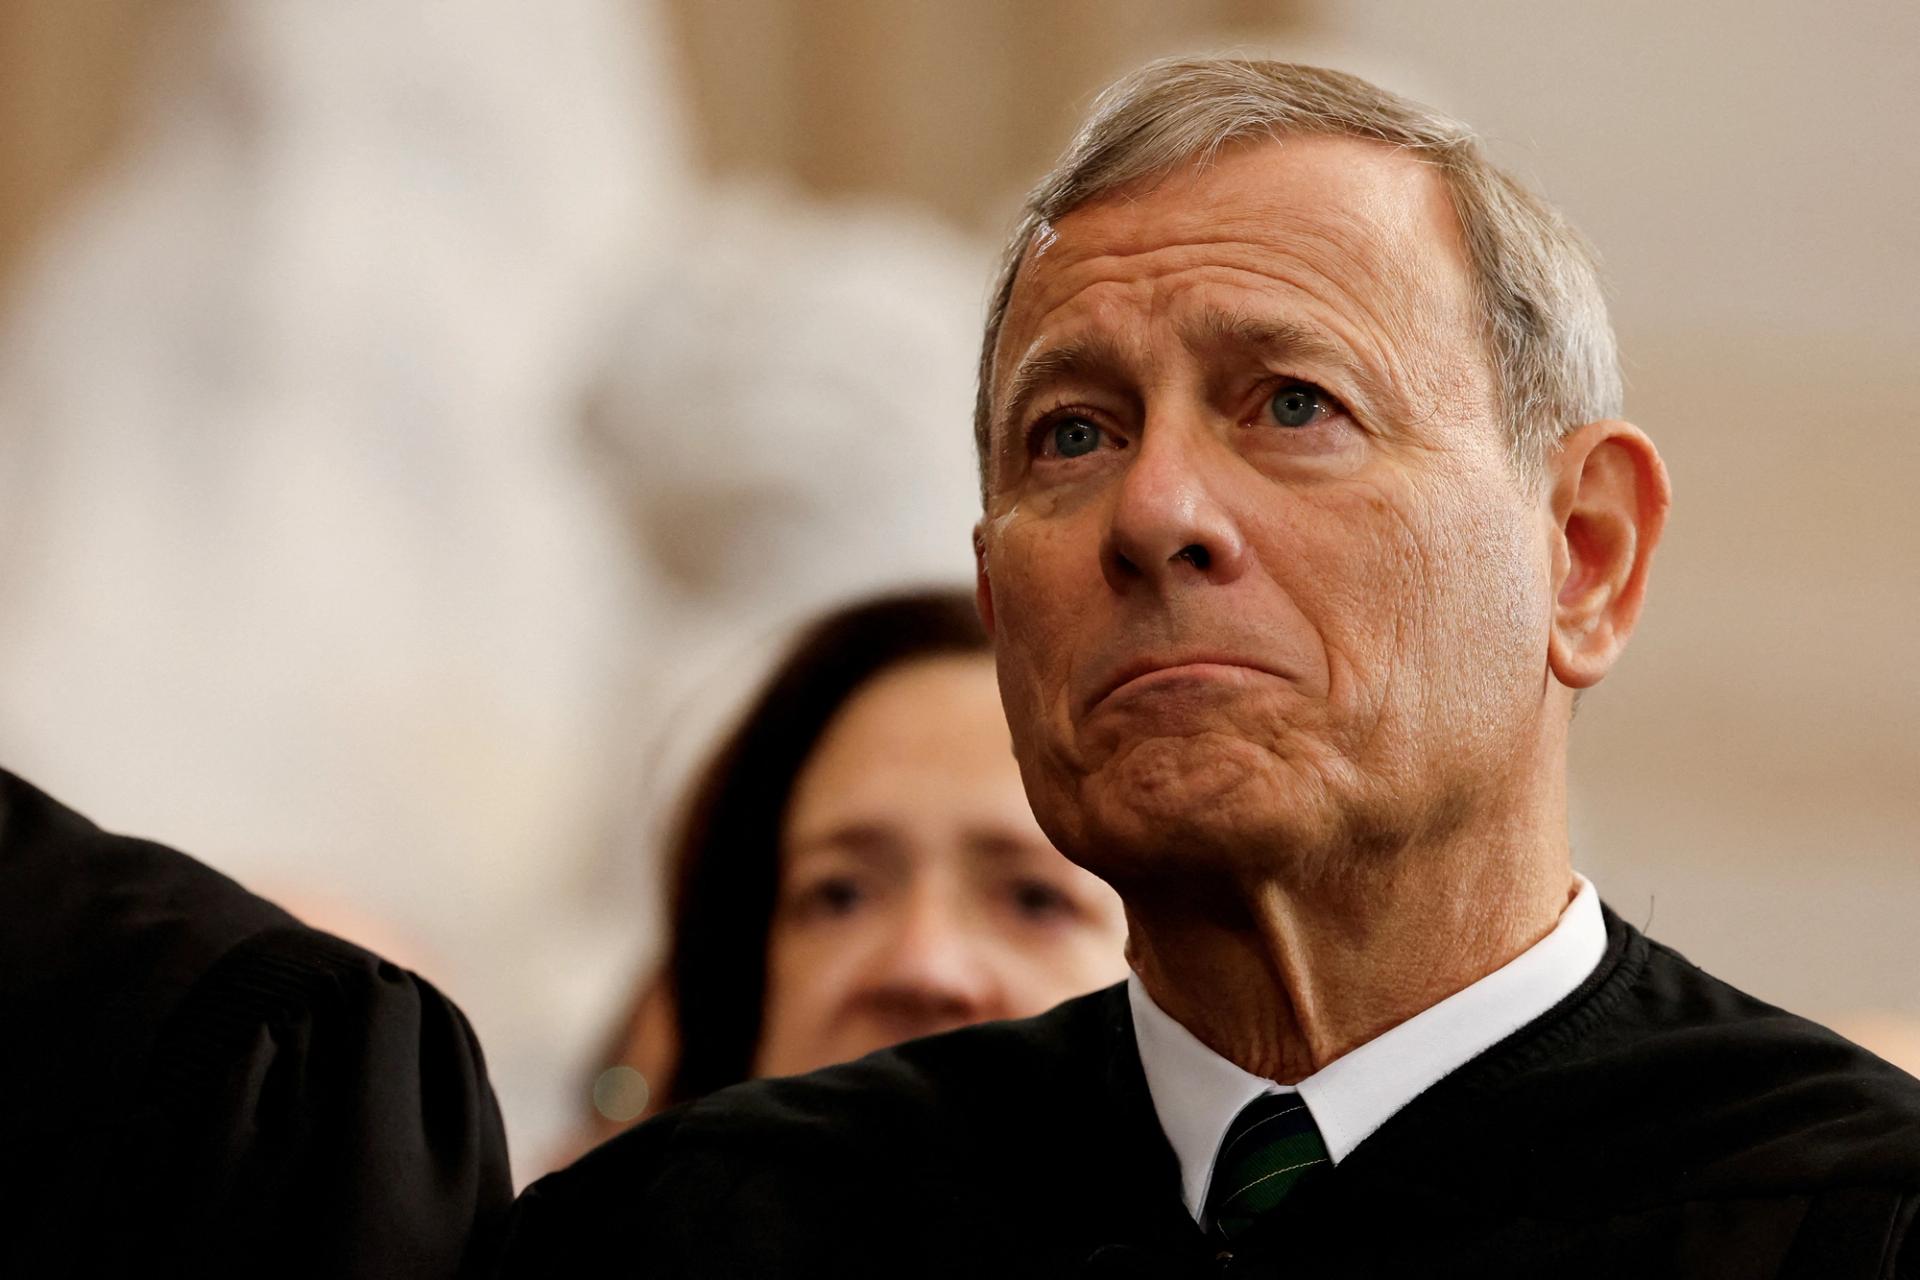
1363, 234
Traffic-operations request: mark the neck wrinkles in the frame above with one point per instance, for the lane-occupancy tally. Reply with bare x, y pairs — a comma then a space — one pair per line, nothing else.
1282, 979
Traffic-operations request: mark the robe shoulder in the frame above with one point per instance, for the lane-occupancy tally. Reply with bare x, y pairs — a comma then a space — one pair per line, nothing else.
1658, 1081
780, 1168
249, 1094
1656, 1115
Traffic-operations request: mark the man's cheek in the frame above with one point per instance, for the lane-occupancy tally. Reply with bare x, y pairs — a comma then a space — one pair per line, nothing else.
1030, 628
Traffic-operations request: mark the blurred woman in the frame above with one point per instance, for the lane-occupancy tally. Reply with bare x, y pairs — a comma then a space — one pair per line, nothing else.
858, 866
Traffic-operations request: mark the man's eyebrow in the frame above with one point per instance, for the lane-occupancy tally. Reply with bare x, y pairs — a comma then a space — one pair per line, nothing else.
1094, 354
1214, 328
1282, 339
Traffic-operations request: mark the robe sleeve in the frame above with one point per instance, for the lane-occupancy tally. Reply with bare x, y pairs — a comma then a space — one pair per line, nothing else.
316, 1111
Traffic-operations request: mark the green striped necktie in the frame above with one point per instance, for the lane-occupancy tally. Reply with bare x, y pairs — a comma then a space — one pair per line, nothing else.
1270, 1146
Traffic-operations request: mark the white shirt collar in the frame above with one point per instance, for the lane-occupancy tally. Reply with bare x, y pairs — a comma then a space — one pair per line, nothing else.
1197, 1093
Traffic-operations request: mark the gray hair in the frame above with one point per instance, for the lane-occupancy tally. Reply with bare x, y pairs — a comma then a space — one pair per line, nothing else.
1537, 282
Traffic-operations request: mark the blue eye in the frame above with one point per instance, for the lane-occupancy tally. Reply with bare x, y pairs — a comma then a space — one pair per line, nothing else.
1073, 437
1296, 405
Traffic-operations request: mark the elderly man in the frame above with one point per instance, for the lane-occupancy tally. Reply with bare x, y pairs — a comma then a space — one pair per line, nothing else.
1308, 514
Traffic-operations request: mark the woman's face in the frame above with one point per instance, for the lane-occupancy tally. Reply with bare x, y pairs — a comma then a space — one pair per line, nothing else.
917, 893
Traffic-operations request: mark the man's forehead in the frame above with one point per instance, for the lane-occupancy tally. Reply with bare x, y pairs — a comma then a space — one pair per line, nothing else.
1370, 229
1386, 207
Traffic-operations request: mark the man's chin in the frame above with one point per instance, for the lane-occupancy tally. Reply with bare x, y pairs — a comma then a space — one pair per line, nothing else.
1192, 802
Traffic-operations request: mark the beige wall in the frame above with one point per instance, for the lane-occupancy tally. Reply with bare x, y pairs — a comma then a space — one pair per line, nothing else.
957, 105
65, 66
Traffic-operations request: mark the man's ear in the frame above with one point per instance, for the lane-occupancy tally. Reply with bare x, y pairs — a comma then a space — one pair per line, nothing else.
982, 586
1609, 497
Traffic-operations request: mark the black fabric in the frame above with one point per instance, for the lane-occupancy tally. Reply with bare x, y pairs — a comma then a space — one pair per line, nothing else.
192, 1083
1656, 1123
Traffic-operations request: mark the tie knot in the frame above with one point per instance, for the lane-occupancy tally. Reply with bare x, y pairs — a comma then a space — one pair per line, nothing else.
1270, 1146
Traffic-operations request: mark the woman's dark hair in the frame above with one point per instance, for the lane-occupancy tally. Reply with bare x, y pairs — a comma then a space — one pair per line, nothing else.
725, 854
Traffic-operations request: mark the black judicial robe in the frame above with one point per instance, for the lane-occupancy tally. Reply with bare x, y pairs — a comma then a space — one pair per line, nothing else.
192, 1083
1655, 1123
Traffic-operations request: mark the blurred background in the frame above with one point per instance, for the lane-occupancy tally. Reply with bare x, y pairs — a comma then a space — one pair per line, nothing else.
417, 422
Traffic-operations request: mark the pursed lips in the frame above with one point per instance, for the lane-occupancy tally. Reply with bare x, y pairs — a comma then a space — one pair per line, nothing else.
1195, 664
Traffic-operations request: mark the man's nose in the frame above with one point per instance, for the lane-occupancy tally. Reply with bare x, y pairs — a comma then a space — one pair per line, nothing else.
1168, 528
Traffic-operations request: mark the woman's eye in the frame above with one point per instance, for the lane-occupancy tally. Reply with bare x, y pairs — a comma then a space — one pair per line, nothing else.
1072, 437
1297, 405
836, 896
1038, 900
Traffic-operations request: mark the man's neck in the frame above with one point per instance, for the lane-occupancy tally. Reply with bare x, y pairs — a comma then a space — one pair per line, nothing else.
1282, 979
